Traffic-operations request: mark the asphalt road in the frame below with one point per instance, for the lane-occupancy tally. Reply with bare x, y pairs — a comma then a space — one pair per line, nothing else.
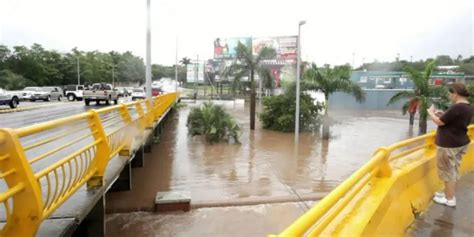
29, 113
39, 112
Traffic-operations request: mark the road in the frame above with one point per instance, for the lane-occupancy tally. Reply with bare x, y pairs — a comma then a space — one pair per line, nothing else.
78, 205
37, 112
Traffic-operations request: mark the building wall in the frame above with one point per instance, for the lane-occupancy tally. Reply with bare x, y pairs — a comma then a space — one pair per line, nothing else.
375, 99
398, 80
381, 79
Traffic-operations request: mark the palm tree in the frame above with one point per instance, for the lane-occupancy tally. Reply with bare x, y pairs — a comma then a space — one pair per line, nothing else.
235, 73
185, 61
267, 79
248, 63
329, 80
424, 94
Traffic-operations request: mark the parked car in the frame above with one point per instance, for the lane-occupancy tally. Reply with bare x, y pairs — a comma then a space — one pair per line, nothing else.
122, 92
100, 92
28, 92
47, 94
138, 93
9, 98
129, 90
74, 92
156, 91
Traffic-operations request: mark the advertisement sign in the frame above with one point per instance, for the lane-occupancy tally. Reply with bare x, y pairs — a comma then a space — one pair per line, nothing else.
285, 46
226, 48
195, 72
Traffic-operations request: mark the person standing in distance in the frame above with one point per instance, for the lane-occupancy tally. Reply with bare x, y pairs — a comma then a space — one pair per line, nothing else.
452, 141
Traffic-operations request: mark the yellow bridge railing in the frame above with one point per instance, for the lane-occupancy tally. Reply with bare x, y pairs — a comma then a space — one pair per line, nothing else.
38, 175
381, 198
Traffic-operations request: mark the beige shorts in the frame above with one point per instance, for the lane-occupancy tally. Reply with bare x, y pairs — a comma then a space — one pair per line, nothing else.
449, 160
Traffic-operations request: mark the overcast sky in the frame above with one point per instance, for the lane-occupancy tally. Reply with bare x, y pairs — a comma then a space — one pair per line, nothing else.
334, 30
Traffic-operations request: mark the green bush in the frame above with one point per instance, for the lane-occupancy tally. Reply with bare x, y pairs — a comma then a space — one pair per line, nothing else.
212, 122
279, 113
12, 81
470, 87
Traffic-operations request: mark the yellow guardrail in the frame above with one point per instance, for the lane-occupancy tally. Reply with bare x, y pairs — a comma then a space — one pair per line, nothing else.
381, 197
38, 175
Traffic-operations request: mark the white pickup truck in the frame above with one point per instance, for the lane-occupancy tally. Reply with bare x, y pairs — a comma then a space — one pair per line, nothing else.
100, 92
9, 98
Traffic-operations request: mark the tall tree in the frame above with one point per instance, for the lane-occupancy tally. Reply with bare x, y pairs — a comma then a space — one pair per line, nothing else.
329, 80
444, 60
185, 61
424, 94
250, 63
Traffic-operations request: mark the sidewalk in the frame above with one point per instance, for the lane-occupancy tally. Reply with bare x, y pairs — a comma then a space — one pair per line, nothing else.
445, 221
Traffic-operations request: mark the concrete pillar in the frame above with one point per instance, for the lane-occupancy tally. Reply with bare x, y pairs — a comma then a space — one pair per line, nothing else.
148, 143
139, 158
124, 181
94, 223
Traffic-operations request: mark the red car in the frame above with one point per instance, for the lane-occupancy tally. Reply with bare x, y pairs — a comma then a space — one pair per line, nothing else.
156, 91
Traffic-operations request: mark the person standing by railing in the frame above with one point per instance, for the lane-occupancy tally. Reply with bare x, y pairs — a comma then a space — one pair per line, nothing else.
452, 141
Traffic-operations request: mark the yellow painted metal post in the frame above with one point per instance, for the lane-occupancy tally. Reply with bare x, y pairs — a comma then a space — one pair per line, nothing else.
470, 132
26, 215
156, 107
149, 114
385, 169
159, 107
102, 151
141, 116
431, 146
127, 119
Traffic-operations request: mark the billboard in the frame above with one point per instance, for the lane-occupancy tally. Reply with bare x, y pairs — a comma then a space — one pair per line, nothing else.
285, 46
226, 48
195, 72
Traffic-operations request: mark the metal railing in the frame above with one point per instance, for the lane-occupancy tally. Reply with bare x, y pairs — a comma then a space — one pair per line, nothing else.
317, 219
38, 175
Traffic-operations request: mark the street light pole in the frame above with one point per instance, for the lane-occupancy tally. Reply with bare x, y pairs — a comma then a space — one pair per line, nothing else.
353, 60
78, 73
113, 76
176, 67
148, 52
298, 62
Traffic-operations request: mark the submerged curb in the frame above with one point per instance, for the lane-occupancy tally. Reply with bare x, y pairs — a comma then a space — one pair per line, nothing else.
258, 200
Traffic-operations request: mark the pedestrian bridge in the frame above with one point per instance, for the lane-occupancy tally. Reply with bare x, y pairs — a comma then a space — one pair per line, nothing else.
54, 176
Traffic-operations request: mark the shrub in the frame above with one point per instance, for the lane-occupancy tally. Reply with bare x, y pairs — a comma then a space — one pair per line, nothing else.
212, 122
279, 113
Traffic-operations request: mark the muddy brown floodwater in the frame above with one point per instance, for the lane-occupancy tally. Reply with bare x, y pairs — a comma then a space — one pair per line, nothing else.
266, 166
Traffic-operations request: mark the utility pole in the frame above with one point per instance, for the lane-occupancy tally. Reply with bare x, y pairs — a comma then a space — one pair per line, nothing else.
353, 60
78, 72
176, 67
113, 76
196, 76
148, 52
298, 62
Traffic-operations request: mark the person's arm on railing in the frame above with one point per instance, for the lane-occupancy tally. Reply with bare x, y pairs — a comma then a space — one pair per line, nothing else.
435, 116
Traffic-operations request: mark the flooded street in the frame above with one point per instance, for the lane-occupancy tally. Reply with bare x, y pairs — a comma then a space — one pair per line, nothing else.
265, 166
